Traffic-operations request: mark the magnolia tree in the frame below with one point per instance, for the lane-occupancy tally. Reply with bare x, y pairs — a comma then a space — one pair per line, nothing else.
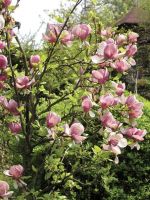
40, 116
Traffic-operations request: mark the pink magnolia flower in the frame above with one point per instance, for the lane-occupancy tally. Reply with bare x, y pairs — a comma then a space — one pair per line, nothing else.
52, 119
6, 3
121, 65
75, 131
106, 51
107, 101
120, 88
66, 38
15, 171
134, 106
4, 190
14, 127
35, 60
100, 76
86, 104
131, 50
121, 39
3, 62
2, 22
52, 33
109, 121
24, 82
110, 51
3, 77
132, 37
135, 134
115, 142
11, 106
107, 32
81, 31
2, 45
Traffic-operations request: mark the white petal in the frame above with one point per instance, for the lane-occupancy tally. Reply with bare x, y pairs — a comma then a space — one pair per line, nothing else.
132, 61
67, 130
6, 172
116, 150
116, 161
122, 143
106, 147
91, 114
96, 59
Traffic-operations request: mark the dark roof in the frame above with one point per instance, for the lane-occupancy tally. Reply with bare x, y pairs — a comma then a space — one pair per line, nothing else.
135, 16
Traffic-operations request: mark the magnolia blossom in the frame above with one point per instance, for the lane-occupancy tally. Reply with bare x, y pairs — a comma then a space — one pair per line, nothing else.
86, 104
35, 60
24, 82
14, 127
121, 65
119, 87
52, 33
132, 37
52, 119
81, 31
3, 62
115, 142
2, 44
100, 76
2, 22
11, 106
134, 106
131, 50
15, 171
135, 134
110, 51
108, 32
109, 121
75, 131
106, 51
4, 190
121, 39
106, 101
3, 77
66, 38
6, 3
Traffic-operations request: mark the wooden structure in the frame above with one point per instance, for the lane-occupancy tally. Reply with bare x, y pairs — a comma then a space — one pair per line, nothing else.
137, 20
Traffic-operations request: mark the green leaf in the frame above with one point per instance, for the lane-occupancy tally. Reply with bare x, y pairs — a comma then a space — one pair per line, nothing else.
96, 149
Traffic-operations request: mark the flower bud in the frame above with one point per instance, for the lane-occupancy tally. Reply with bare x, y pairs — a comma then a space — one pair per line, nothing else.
86, 104
3, 62
52, 119
4, 190
81, 31
14, 127
15, 171
35, 59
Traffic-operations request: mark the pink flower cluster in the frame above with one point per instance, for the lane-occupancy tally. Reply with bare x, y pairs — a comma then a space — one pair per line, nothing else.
115, 109
81, 31
74, 131
11, 105
109, 53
